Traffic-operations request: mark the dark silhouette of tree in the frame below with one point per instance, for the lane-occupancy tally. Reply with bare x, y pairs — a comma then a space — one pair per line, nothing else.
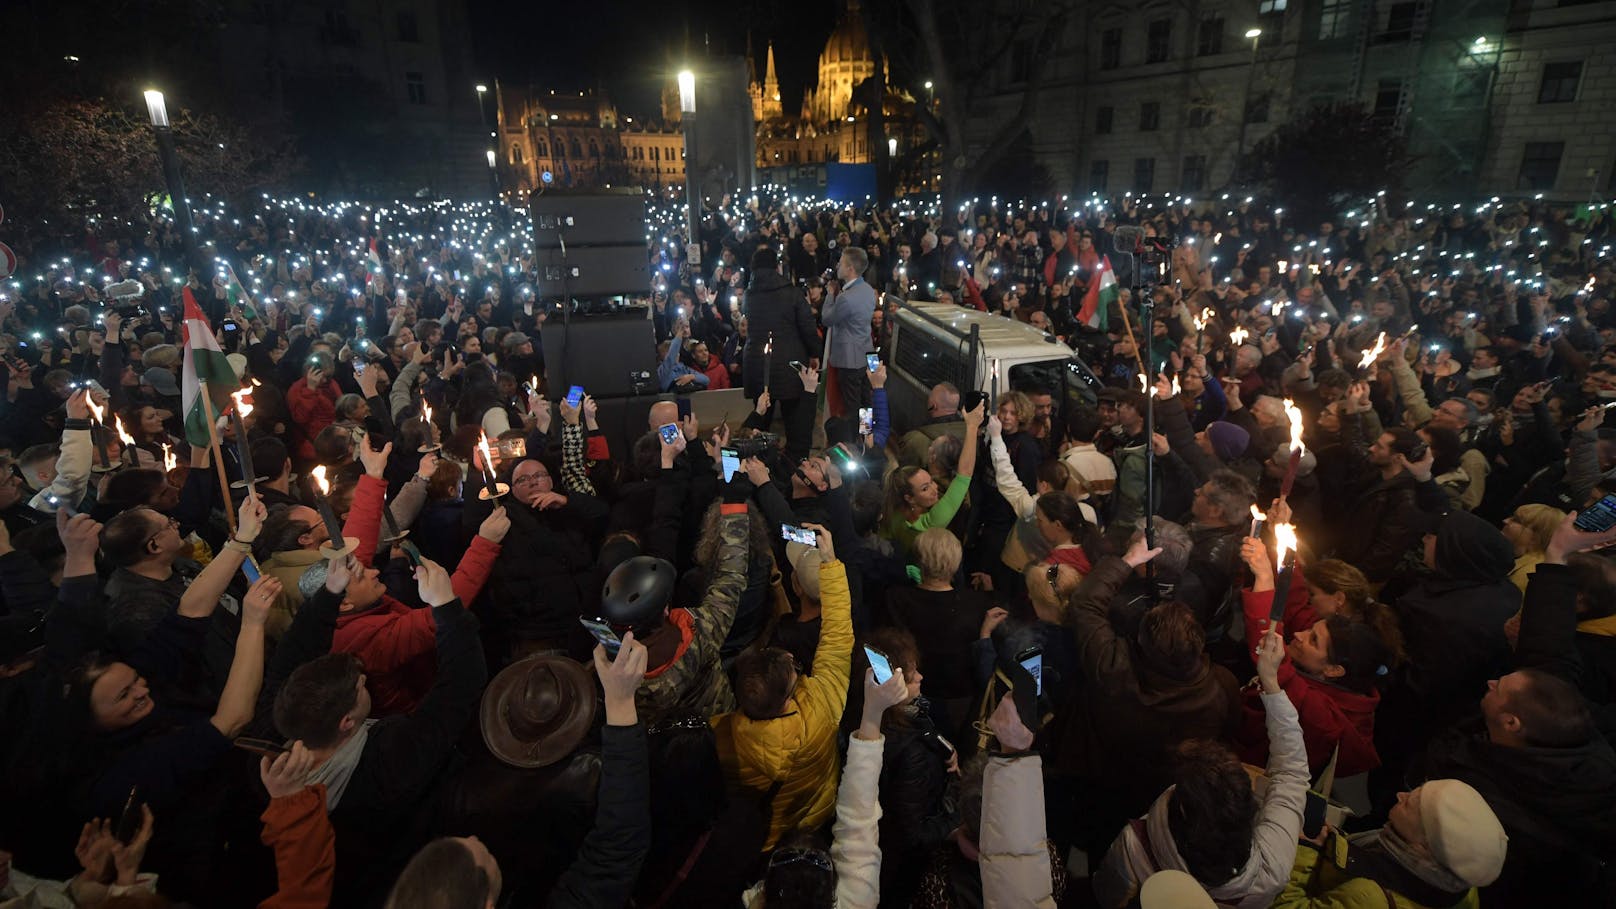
1326, 155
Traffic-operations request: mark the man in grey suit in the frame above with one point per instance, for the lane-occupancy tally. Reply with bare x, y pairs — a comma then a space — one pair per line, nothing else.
847, 333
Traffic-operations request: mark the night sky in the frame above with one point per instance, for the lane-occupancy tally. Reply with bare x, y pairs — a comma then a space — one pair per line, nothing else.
628, 46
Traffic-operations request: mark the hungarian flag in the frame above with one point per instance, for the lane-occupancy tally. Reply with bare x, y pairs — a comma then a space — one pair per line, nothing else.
237, 295
205, 367
1101, 294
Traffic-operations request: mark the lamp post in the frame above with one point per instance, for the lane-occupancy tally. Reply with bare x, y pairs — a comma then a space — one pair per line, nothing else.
687, 116
157, 110
493, 171
482, 114
1255, 35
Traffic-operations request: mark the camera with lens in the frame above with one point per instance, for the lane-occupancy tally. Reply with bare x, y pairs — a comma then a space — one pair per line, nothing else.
754, 446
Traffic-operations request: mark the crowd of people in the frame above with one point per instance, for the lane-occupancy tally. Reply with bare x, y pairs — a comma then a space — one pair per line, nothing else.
398, 624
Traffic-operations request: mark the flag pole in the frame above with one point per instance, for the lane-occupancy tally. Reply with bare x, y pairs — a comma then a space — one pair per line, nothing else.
218, 456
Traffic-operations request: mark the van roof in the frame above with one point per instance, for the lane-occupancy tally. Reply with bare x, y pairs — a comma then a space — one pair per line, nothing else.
1001, 337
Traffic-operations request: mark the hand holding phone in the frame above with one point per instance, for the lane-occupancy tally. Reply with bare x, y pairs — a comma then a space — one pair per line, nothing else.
879, 663
670, 433
603, 633
791, 533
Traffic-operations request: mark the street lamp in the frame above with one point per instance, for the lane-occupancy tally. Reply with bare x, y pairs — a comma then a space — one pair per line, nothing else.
482, 113
157, 111
493, 171
687, 111
1254, 35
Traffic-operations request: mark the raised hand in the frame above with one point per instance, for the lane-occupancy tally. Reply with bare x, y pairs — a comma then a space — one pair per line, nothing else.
375, 461
433, 583
288, 773
260, 597
495, 526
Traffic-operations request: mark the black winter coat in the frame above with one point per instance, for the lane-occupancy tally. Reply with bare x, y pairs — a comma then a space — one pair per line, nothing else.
775, 306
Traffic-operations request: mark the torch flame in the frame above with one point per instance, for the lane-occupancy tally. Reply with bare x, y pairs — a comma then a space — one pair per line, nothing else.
1294, 414
243, 408
1238, 336
169, 461
1257, 515
1176, 388
426, 412
318, 475
1284, 542
96, 412
488, 456
1144, 383
1372, 354
127, 439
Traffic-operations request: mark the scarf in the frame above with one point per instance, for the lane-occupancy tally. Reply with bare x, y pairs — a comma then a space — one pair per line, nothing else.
1488, 373
339, 768
1423, 867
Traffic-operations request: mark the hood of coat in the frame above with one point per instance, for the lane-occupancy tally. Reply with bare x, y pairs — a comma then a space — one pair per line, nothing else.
768, 746
767, 281
1470, 549
1545, 792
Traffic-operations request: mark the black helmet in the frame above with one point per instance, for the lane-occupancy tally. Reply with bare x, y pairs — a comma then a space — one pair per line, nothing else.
636, 592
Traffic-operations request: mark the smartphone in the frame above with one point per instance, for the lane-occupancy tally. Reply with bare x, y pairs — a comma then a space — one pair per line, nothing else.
1598, 517
872, 362
574, 395
1313, 815
866, 421
603, 633
411, 552
880, 663
510, 449
1417, 453
669, 433
1032, 660
684, 408
130, 819
58, 503
730, 459
971, 400
249, 570
844, 457
798, 365
791, 533
359, 367
261, 747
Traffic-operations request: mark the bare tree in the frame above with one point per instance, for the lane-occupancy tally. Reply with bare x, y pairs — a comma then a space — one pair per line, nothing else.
960, 45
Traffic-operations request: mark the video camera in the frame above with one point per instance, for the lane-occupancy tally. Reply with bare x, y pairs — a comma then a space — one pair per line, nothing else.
754, 446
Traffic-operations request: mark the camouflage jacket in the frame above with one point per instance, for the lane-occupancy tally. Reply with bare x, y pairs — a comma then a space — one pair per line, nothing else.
695, 682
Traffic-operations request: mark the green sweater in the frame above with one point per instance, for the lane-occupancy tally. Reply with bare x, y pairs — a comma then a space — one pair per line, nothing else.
903, 532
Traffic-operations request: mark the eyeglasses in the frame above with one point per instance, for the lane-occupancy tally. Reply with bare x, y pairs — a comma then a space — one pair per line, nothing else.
529, 479
800, 856
168, 524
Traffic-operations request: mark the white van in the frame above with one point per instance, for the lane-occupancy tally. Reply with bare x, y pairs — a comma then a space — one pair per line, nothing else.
941, 342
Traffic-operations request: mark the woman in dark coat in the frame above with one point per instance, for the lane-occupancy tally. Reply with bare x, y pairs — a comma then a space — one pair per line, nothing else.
774, 308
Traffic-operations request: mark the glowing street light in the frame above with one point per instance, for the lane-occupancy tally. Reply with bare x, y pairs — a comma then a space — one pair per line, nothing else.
687, 110
156, 109
687, 91
157, 112
1252, 34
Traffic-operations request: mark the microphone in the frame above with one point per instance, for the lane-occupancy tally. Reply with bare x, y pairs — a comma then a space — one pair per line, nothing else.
1128, 238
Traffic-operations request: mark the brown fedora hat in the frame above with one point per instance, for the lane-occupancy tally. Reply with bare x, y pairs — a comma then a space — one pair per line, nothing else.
537, 710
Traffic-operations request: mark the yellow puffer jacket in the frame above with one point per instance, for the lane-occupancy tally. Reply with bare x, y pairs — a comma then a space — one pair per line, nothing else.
1319, 881
798, 750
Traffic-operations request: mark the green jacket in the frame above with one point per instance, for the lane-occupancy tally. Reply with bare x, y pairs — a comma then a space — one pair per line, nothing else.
1320, 879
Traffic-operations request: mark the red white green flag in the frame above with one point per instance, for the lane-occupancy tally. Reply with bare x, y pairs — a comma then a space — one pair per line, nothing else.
1101, 294
205, 368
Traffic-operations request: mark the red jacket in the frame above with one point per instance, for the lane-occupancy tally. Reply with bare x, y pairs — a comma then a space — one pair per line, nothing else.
313, 409
396, 642
1330, 715
717, 374
305, 845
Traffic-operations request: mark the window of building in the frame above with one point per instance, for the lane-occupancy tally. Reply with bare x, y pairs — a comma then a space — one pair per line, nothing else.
1200, 114
1111, 48
1257, 108
1159, 41
1103, 117
406, 26
639, 153
1192, 179
575, 150
594, 150
1388, 100
516, 154
541, 148
1540, 165
1144, 174
1333, 18
656, 153
1270, 7
1560, 81
1209, 37
1400, 21
1099, 174
1021, 61
1149, 116
415, 87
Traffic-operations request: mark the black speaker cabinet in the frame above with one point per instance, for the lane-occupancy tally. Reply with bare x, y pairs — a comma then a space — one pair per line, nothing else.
606, 217
592, 271
609, 357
